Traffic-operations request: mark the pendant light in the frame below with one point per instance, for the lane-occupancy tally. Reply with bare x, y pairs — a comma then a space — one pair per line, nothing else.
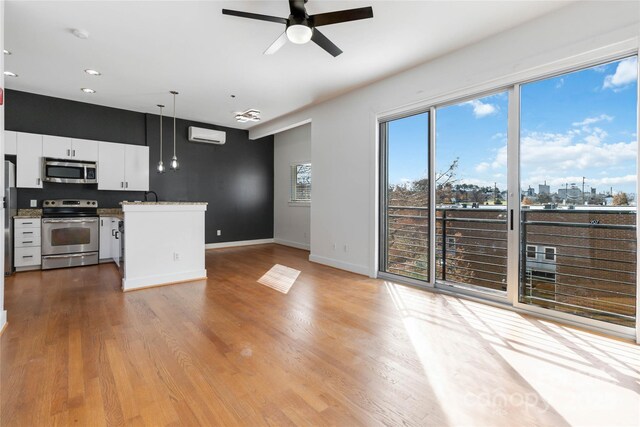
161, 168
174, 160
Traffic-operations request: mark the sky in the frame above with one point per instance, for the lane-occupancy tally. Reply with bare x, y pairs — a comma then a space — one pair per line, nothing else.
581, 124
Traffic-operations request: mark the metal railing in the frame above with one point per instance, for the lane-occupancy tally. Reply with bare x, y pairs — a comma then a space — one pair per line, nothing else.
577, 261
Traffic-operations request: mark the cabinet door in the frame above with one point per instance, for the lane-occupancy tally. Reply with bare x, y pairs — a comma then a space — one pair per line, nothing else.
110, 166
115, 242
136, 170
84, 149
29, 159
56, 147
105, 238
10, 141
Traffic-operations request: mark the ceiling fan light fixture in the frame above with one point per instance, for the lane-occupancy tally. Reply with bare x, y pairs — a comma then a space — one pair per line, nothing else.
299, 33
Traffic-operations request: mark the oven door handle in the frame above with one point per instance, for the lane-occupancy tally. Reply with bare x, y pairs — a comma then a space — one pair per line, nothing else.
66, 256
75, 221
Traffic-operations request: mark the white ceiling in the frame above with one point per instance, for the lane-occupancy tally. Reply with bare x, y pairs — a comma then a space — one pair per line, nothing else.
144, 49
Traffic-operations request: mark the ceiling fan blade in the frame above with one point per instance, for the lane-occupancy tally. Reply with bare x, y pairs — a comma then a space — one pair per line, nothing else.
322, 41
297, 7
341, 16
276, 45
255, 16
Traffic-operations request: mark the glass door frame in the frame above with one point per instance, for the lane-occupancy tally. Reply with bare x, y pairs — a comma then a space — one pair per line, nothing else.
514, 241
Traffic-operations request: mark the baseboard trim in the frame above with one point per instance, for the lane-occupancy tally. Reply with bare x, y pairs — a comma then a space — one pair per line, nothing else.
161, 280
3, 321
296, 245
354, 268
237, 243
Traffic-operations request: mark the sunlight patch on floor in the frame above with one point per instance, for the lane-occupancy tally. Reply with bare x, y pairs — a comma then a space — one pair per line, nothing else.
280, 278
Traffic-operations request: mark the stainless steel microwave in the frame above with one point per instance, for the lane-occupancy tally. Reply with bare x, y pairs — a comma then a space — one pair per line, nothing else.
70, 172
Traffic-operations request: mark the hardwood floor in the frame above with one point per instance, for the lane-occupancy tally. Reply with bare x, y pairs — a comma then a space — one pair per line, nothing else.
338, 349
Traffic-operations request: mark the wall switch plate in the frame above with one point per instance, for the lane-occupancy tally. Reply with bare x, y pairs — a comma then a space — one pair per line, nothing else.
34, 203
219, 232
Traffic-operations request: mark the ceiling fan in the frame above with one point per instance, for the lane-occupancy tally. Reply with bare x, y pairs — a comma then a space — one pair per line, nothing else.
301, 27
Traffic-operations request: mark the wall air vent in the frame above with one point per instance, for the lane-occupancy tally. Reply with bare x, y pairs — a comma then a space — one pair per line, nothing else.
208, 136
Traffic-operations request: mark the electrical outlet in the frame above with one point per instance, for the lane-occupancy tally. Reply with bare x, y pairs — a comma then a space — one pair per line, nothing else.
176, 256
334, 246
34, 203
345, 248
219, 232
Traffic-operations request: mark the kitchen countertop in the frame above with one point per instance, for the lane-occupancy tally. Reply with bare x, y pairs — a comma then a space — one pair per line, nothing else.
37, 213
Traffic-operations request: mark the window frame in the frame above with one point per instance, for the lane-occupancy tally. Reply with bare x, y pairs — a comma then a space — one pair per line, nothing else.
293, 172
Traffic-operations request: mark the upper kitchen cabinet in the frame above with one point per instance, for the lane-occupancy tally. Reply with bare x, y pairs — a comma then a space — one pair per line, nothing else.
29, 160
10, 142
59, 147
136, 168
123, 167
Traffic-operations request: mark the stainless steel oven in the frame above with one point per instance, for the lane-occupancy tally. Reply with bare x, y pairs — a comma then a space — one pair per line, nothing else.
70, 233
70, 172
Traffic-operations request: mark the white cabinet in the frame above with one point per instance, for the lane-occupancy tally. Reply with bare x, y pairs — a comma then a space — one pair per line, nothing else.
26, 243
59, 147
105, 238
10, 142
56, 147
123, 167
29, 160
136, 168
115, 241
84, 149
110, 166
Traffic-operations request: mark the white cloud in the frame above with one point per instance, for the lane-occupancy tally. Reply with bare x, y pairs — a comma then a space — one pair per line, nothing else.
482, 167
626, 73
591, 120
480, 109
560, 83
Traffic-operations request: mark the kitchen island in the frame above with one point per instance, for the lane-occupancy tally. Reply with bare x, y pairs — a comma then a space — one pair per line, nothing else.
164, 243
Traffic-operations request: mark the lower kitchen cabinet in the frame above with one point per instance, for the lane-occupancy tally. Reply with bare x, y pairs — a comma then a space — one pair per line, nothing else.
105, 238
26, 243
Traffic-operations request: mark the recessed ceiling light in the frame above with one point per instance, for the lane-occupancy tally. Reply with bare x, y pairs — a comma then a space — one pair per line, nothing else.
87, 90
10, 74
6, 52
93, 72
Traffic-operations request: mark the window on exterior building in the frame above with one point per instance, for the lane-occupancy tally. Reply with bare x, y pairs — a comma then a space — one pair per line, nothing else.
532, 252
301, 182
549, 254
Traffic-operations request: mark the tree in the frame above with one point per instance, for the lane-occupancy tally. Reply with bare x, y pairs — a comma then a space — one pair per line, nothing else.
621, 199
544, 198
527, 201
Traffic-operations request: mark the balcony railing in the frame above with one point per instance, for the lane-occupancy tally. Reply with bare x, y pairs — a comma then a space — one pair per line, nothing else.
580, 261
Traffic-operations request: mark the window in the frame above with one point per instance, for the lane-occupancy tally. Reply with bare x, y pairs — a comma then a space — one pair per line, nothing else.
532, 251
549, 254
301, 182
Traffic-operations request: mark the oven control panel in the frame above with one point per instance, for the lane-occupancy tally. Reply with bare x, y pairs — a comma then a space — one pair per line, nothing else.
70, 203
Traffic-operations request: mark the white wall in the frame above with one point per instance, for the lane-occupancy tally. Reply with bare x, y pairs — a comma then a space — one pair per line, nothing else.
3, 313
154, 235
344, 131
292, 221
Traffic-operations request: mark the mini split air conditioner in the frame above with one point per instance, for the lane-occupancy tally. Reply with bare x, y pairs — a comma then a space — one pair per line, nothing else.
208, 136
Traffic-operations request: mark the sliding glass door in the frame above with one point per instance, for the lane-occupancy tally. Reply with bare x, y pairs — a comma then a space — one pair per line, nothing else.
471, 193
404, 215
537, 207
578, 171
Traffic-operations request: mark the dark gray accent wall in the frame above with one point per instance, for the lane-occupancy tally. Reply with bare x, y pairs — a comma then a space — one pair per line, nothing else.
236, 178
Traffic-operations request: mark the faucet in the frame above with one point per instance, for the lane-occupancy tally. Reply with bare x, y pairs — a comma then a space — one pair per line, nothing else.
146, 193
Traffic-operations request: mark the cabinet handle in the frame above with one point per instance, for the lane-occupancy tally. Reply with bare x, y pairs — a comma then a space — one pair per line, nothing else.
25, 223
126, 184
112, 232
121, 184
27, 232
68, 152
116, 236
74, 152
27, 241
27, 256
38, 181
102, 223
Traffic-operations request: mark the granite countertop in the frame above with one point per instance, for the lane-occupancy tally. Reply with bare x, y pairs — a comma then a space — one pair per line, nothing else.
163, 203
28, 213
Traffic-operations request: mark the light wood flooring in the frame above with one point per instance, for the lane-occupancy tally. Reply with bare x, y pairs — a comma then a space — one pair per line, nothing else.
338, 349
